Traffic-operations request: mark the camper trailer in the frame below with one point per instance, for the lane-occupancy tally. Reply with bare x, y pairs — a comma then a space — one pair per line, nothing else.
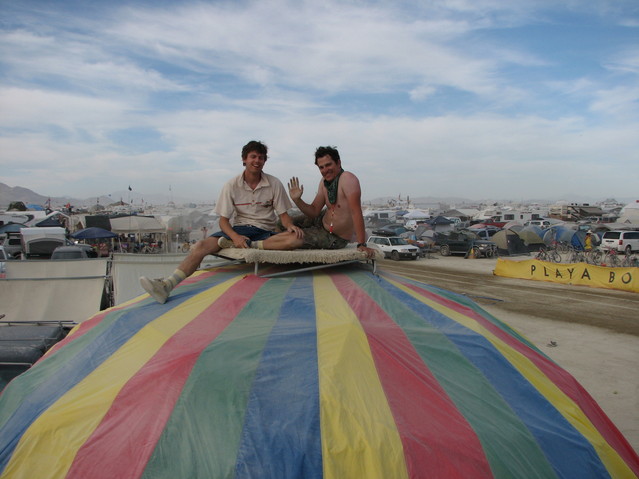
40, 242
380, 217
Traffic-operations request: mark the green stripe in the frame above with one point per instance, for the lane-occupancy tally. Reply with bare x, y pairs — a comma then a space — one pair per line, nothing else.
205, 427
489, 414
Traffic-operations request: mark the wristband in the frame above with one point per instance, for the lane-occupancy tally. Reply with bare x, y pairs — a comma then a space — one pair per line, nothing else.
361, 244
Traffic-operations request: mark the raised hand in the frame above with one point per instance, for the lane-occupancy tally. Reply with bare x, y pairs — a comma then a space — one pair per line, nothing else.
295, 190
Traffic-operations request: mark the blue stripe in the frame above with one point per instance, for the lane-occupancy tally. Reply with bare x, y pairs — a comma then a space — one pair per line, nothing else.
568, 451
96, 349
288, 369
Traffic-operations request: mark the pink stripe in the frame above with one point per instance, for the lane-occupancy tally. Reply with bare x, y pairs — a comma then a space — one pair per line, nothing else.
125, 439
429, 423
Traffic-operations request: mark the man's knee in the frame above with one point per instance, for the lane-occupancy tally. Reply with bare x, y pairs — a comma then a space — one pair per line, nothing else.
205, 246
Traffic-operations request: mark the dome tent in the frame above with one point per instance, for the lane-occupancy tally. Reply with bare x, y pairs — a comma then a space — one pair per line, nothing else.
325, 374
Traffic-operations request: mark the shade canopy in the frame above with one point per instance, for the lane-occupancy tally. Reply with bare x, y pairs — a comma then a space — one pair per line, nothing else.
12, 228
93, 233
137, 225
325, 374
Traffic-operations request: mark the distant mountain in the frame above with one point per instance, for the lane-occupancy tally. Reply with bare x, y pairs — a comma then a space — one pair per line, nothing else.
10, 194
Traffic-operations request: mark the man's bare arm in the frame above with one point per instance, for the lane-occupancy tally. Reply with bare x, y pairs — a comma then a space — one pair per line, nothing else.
295, 191
287, 222
354, 199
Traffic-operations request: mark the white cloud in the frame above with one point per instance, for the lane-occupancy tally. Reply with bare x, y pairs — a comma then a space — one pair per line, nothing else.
422, 99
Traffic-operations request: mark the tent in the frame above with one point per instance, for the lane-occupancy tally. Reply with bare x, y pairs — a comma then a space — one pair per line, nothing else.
532, 236
11, 228
509, 242
336, 374
564, 234
416, 215
136, 224
93, 233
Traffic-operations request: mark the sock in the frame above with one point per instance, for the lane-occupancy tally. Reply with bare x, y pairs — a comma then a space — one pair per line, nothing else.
257, 244
175, 278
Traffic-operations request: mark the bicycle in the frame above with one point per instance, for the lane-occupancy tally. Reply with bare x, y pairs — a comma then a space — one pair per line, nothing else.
630, 261
612, 258
561, 246
548, 255
594, 256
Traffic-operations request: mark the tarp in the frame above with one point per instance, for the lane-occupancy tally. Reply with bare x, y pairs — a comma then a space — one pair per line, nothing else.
126, 268
55, 290
341, 374
93, 233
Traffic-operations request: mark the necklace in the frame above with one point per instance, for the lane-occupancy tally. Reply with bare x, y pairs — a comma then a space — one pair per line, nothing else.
331, 192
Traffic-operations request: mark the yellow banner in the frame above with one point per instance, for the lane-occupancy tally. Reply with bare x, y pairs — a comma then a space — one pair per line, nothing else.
624, 279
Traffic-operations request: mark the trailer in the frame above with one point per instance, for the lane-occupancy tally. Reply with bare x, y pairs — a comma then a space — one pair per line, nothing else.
40, 242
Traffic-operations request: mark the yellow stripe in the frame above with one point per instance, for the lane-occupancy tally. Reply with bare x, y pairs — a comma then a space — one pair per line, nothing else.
359, 436
616, 466
49, 445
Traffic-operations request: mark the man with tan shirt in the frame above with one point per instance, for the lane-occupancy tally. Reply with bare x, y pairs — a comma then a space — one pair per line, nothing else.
253, 200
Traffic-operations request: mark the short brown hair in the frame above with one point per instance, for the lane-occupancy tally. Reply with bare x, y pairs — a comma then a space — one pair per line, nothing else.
254, 145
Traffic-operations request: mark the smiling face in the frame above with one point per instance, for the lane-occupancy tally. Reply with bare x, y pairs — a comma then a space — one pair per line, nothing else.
328, 168
254, 162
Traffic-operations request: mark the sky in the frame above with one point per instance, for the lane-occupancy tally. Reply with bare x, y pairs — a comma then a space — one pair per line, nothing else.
479, 99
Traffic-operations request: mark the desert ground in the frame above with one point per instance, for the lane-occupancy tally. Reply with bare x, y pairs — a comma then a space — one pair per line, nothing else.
593, 333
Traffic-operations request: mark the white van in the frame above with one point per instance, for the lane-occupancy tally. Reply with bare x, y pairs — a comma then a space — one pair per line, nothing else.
622, 241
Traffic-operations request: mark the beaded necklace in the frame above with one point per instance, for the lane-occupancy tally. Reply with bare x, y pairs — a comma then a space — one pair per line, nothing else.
331, 191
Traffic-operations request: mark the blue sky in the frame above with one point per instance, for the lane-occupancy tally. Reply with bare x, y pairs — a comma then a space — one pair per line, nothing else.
481, 99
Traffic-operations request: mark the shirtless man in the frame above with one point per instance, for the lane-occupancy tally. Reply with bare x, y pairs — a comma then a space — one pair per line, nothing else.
342, 221
255, 200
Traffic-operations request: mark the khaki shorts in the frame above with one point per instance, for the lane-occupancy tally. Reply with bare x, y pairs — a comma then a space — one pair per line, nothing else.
315, 236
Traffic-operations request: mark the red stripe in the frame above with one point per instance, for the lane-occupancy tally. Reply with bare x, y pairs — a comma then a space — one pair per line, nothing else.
428, 422
125, 439
559, 376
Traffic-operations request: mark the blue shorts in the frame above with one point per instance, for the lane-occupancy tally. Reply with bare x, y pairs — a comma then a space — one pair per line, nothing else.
251, 232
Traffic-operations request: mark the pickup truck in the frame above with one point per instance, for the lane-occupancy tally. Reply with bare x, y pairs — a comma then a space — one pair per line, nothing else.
461, 242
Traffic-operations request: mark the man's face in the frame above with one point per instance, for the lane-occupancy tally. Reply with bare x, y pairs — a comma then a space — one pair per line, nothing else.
328, 168
254, 161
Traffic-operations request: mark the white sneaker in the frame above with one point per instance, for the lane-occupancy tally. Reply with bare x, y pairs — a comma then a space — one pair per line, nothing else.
157, 288
225, 243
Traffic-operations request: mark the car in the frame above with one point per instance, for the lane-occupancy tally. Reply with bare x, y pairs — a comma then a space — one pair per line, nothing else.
543, 224
392, 229
13, 245
462, 242
78, 251
621, 241
3, 258
394, 247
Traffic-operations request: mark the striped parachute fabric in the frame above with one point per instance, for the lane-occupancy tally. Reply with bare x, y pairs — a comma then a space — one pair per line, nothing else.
329, 374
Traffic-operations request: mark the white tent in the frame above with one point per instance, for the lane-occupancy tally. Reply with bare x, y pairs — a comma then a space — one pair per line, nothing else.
137, 225
416, 215
630, 213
